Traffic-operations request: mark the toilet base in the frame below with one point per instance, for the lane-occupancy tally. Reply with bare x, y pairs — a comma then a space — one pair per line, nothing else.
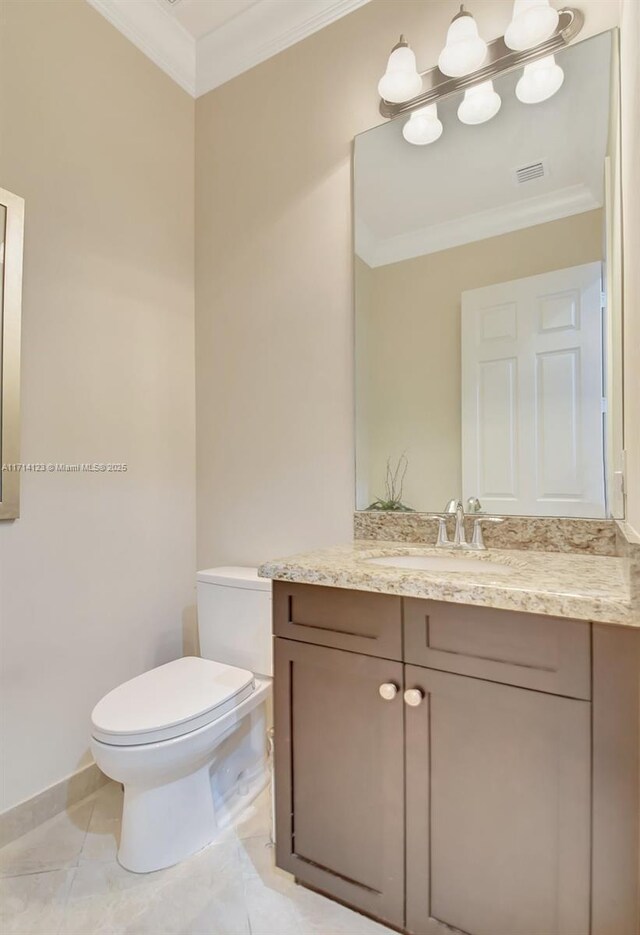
163, 825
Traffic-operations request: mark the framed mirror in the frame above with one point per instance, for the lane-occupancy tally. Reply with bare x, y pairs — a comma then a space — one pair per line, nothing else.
488, 271
11, 243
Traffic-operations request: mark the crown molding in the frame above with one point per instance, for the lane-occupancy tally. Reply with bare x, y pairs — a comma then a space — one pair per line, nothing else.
251, 37
565, 202
156, 33
266, 28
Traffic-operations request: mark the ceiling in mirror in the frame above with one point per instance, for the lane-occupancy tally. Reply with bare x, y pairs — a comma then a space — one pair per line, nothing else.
487, 305
529, 165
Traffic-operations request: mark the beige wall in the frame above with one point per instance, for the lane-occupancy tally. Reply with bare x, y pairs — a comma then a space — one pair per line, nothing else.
412, 360
274, 276
630, 70
98, 571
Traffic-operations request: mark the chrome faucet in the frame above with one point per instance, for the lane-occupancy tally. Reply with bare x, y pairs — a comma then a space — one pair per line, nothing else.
459, 537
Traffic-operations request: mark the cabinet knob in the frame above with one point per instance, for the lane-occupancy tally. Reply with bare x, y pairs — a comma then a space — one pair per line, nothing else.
413, 697
388, 691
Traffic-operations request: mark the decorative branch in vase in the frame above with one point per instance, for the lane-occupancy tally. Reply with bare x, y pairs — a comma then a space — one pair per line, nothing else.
394, 483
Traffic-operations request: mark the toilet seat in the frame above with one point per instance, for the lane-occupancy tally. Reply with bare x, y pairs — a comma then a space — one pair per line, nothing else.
170, 701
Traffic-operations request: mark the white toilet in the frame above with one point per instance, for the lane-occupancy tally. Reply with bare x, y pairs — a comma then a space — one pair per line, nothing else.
188, 739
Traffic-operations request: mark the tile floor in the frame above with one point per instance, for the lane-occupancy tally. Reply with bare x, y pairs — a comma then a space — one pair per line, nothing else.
63, 879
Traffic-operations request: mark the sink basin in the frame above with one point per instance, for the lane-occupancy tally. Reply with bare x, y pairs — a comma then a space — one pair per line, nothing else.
446, 563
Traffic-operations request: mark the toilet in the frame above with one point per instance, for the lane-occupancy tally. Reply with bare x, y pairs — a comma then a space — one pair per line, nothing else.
188, 739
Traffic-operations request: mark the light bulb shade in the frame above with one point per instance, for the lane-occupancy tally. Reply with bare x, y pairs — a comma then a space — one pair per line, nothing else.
533, 22
480, 104
465, 50
540, 81
423, 126
401, 80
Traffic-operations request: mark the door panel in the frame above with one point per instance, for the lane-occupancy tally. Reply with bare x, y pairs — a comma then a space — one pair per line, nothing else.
498, 428
559, 408
340, 824
532, 367
498, 794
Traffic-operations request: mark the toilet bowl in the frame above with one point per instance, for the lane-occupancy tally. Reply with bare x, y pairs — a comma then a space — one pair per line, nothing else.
188, 740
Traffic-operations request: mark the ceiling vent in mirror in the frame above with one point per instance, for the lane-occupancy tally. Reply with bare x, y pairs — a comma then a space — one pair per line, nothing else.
534, 170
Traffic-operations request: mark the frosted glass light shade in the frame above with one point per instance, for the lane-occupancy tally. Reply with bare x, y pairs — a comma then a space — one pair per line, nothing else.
479, 104
401, 80
465, 50
533, 22
423, 126
540, 81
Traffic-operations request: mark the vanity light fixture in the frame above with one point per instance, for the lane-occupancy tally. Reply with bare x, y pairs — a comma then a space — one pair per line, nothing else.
468, 64
540, 81
401, 81
403, 89
423, 126
465, 50
533, 22
480, 103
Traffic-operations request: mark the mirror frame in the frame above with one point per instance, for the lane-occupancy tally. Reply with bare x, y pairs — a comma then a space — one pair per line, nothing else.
11, 312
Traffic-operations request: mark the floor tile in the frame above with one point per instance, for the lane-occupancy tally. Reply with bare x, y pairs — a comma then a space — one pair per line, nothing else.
321, 916
201, 896
270, 910
34, 904
257, 858
54, 845
103, 833
255, 821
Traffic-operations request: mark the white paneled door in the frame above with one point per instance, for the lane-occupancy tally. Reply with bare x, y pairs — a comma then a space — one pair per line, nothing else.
532, 394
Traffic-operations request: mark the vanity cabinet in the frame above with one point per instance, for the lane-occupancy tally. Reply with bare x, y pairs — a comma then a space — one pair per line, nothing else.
497, 799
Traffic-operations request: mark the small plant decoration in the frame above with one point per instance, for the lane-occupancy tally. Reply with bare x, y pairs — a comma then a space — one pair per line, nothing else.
393, 485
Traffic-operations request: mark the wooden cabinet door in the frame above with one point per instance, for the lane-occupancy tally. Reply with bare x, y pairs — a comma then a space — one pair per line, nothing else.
340, 776
498, 809
358, 621
547, 654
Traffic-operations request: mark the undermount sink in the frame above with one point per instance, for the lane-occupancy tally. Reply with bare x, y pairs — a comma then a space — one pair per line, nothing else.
448, 563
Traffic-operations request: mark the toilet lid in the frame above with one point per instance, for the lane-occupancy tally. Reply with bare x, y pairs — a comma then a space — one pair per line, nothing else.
170, 701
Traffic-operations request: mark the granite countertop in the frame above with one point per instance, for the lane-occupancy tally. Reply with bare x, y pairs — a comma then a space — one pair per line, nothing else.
584, 587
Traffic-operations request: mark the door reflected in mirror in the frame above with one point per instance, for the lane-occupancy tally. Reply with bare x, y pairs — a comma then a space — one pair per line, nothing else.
488, 302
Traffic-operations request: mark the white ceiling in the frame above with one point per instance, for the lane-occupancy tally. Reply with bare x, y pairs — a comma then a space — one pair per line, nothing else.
412, 200
200, 17
203, 43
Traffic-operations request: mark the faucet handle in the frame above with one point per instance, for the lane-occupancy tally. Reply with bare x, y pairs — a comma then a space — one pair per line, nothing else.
443, 537
477, 541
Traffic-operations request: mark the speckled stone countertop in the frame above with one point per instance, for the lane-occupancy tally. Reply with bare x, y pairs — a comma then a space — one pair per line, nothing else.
584, 587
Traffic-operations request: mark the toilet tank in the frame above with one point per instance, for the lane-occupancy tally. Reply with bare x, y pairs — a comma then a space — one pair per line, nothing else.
234, 618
